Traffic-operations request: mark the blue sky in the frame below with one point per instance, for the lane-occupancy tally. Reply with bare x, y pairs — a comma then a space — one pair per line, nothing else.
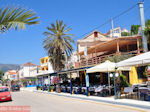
17, 47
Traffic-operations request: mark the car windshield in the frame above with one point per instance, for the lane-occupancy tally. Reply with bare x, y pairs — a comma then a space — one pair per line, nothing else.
3, 89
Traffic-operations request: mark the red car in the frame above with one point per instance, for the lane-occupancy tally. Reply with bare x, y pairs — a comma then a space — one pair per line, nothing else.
5, 94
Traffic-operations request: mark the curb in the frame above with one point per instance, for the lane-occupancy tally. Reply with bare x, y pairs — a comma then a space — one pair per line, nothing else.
99, 100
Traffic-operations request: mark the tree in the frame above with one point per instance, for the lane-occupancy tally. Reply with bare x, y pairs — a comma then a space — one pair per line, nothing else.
58, 44
123, 80
134, 29
118, 58
125, 34
16, 18
147, 30
1, 75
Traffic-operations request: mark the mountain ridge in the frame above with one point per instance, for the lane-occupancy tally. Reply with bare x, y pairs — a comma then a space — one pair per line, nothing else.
6, 67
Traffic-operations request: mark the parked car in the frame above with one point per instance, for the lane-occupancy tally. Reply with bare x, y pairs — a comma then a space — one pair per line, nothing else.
5, 94
15, 88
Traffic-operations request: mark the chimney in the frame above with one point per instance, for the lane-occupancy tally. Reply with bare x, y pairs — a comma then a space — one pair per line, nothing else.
95, 34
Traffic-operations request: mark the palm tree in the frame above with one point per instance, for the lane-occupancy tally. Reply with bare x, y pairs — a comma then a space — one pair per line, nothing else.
16, 18
58, 44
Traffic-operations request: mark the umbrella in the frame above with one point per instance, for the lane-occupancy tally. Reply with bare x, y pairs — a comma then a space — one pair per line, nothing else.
107, 66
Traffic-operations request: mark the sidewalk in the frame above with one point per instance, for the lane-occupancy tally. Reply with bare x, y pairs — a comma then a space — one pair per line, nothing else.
28, 89
110, 100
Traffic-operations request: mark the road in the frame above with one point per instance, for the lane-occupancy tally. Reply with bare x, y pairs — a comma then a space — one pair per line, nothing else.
40, 102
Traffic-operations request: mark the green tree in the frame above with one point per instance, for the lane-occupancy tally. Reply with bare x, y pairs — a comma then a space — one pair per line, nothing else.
118, 58
125, 34
58, 44
123, 80
134, 29
16, 18
147, 30
1, 75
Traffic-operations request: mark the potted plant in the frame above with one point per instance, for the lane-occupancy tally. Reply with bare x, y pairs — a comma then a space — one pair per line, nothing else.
51, 88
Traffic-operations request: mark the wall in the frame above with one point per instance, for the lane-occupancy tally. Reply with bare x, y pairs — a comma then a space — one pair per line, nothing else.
134, 77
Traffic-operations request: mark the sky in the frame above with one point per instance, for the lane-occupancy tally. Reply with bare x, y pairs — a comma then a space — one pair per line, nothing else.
18, 47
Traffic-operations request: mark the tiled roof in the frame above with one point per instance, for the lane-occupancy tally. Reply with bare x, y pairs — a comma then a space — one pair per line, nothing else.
29, 64
12, 73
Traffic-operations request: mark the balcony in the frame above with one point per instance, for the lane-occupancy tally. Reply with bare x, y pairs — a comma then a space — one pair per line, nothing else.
100, 59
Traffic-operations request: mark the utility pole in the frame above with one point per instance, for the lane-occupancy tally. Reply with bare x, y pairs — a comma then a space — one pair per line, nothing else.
142, 19
112, 27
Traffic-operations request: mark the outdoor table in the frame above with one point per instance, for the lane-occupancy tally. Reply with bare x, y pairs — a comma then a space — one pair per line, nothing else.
92, 89
76, 90
102, 91
68, 89
99, 89
63, 88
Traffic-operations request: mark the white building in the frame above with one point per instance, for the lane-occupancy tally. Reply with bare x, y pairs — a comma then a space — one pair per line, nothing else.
11, 75
45, 66
116, 32
28, 70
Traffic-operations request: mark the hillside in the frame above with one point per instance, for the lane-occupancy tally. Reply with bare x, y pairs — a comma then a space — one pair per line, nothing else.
5, 67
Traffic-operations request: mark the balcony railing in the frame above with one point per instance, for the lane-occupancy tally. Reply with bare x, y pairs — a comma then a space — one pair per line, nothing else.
99, 59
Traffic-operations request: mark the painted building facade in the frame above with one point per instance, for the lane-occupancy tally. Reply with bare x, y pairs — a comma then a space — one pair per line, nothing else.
11, 75
28, 70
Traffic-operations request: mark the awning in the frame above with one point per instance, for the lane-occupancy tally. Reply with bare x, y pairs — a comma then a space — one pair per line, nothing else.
141, 59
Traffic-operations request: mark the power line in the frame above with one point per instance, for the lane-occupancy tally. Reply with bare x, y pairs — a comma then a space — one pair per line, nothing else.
108, 21
124, 12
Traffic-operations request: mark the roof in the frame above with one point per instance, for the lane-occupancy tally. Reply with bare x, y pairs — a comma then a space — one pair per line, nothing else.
46, 57
29, 64
86, 39
112, 44
12, 73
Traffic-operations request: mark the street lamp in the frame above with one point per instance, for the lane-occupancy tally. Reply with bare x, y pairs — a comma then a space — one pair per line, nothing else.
110, 75
115, 92
116, 74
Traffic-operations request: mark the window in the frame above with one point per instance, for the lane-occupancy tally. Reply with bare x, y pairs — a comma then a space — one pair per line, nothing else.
3, 89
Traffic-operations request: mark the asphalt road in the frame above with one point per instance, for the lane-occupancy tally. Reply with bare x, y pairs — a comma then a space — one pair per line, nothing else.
40, 102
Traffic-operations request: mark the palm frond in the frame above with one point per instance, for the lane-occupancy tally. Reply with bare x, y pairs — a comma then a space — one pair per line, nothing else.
16, 18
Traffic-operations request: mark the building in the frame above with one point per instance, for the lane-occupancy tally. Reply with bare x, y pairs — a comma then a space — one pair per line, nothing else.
45, 65
90, 40
45, 70
11, 75
116, 32
28, 70
120, 46
98, 53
